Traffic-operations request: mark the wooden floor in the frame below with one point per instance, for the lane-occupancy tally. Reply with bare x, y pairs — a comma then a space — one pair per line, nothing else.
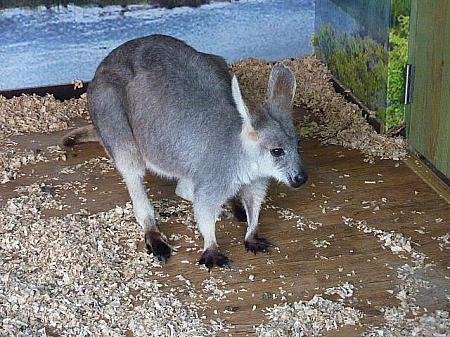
387, 194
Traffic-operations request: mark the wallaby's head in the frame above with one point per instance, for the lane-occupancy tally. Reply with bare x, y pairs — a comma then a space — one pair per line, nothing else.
268, 134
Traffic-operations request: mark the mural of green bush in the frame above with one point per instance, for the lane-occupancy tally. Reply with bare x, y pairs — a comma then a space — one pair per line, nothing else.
375, 74
398, 58
359, 63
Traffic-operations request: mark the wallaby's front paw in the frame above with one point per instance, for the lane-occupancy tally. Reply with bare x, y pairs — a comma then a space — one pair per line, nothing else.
257, 244
212, 257
157, 245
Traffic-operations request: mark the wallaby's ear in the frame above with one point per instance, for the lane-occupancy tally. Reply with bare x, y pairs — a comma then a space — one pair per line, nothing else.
247, 129
281, 87
239, 101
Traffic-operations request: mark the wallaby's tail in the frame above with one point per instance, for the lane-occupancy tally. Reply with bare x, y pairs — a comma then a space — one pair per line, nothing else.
80, 135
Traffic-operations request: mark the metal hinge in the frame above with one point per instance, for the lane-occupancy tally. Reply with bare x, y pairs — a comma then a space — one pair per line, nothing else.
409, 87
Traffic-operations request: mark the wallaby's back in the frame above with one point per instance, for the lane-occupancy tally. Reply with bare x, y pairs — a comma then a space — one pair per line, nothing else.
178, 101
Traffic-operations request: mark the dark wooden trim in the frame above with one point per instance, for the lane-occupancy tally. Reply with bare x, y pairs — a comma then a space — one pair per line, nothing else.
375, 123
61, 92
379, 127
429, 174
67, 91
431, 167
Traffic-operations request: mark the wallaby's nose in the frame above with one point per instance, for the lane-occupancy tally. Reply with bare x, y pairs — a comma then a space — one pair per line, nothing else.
299, 179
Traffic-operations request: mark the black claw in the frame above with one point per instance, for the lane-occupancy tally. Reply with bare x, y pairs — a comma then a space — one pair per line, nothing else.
156, 245
257, 244
212, 257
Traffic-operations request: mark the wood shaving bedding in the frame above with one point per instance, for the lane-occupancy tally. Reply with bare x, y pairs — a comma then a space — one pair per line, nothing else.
32, 113
407, 319
214, 288
443, 241
307, 318
320, 243
343, 290
436, 324
13, 159
81, 275
287, 214
396, 242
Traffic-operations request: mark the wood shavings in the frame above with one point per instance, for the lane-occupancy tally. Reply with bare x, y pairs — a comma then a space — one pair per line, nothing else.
32, 113
26, 114
77, 84
343, 290
82, 275
101, 164
214, 288
398, 320
396, 242
287, 214
13, 159
443, 241
307, 318
436, 324
320, 243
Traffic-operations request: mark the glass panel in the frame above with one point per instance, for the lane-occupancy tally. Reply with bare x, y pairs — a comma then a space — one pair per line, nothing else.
352, 37
55, 44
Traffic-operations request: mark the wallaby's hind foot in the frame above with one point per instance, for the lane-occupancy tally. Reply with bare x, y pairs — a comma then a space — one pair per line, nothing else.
157, 245
212, 257
256, 244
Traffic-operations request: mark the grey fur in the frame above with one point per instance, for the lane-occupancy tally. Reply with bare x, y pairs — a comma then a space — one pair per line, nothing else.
159, 104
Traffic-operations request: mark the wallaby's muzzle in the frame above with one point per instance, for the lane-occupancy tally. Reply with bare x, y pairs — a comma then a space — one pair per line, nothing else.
299, 179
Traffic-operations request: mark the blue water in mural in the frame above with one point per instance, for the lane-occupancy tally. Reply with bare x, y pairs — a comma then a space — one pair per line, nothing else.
41, 46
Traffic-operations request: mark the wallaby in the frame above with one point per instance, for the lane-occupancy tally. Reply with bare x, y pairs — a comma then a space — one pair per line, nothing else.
158, 104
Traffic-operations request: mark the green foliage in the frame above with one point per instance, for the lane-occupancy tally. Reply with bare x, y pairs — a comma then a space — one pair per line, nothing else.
359, 63
398, 58
399, 8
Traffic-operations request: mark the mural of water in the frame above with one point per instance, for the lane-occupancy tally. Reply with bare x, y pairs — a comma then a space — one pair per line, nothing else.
50, 46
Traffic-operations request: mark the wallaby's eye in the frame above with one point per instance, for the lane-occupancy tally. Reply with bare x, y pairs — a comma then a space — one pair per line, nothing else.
278, 152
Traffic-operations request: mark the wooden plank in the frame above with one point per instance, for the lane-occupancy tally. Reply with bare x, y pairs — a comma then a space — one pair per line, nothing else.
420, 119
60, 91
299, 267
443, 146
428, 116
427, 175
